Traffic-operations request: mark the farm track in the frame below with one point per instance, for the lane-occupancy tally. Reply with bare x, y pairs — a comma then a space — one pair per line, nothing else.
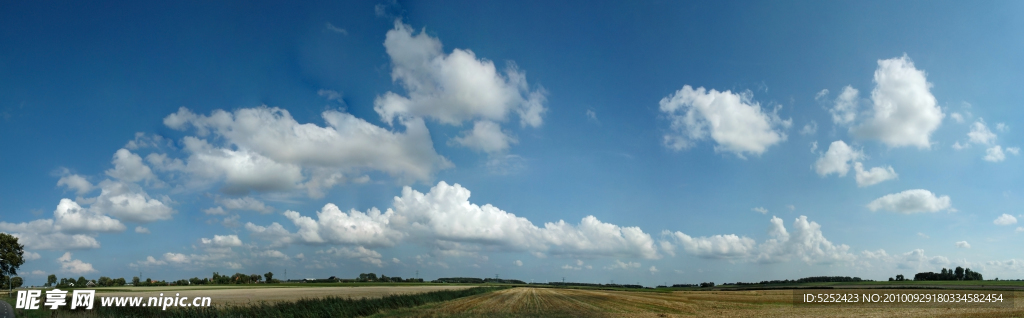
554, 302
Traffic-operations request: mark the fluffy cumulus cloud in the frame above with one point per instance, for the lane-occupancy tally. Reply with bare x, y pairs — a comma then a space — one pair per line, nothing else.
874, 175
1005, 219
904, 112
911, 201
963, 244
727, 246
844, 111
736, 124
75, 182
455, 88
72, 227
74, 266
267, 150
222, 241
128, 167
980, 134
130, 202
805, 243
446, 218
338, 227
995, 153
69, 217
837, 159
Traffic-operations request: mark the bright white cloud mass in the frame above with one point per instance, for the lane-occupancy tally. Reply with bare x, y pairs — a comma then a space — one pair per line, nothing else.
735, 122
904, 111
406, 144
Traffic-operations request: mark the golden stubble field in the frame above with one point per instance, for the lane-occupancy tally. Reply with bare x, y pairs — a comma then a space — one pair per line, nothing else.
552, 302
243, 296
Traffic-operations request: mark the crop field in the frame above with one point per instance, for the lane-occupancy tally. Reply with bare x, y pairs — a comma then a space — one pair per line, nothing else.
554, 302
241, 296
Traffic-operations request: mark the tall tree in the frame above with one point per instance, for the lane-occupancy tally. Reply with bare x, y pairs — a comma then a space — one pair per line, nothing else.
959, 273
10, 256
269, 276
16, 282
51, 280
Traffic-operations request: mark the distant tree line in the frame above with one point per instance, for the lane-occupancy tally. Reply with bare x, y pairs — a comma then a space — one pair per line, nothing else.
474, 280
950, 274
814, 279
595, 285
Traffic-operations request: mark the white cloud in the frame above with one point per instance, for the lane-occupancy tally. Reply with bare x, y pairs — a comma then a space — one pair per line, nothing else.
128, 167
130, 203
957, 117
75, 182
337, 227
453, 88
331, 95
141, 230
74, 266
874, 175
245, 203
219, 241
923, 235
273, 149
69, 217
958, 146
332, 28
44, 235
1005, 219
963, 244
760, 209
653, 270
1002, 127
980, 134
810, 128
271, 254
518, 263
718, 246
837, 159
150, 261
806, 243
814, 146
445, 213
366, 255
844, 112
733, 121
486, 136
821, 95
996, 154
1019, 229
30, 256
445, 217
623, 265
904, 111
911, 201
1013, 150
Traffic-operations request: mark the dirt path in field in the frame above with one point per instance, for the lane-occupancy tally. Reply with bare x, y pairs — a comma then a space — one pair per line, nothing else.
244, 296
553, 302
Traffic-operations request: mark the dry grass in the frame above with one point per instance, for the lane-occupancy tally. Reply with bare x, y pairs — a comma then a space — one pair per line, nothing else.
552, 302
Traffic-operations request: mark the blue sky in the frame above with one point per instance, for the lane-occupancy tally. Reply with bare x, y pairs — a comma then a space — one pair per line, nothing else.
636, 142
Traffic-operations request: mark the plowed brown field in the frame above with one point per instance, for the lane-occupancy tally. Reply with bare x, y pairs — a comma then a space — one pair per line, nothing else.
553, 302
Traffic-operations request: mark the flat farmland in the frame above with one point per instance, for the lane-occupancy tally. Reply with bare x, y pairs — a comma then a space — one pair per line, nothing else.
554, 302
241, 296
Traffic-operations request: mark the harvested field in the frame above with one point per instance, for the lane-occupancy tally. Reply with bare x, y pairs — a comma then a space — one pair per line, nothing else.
242, 296
553, 302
